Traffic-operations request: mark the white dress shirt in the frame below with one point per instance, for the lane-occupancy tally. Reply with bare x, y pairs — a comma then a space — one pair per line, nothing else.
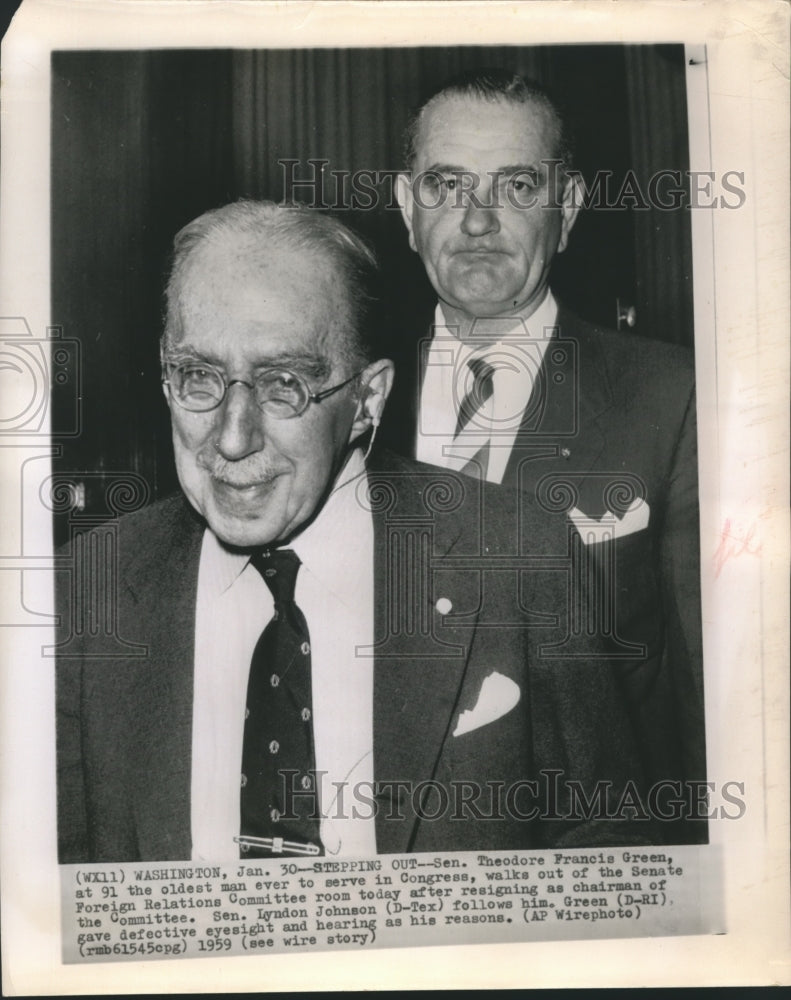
516, 357
334, 590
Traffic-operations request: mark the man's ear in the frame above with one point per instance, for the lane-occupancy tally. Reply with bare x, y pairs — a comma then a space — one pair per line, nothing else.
572, 201
165, 388
406, 202
376, 381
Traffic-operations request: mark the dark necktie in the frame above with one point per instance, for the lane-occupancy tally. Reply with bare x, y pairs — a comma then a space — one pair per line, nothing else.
480, 391
279, 799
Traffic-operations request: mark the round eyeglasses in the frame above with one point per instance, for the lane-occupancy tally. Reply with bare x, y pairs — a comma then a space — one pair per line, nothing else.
280, 393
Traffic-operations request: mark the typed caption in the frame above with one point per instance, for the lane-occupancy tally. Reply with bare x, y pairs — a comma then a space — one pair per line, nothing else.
149, 911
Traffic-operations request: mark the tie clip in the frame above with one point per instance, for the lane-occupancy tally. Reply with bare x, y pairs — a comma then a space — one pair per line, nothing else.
277, 845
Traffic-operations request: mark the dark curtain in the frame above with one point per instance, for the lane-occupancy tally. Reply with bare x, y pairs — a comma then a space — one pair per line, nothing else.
656, 88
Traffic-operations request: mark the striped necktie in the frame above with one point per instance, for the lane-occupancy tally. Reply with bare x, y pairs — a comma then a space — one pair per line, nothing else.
479, 392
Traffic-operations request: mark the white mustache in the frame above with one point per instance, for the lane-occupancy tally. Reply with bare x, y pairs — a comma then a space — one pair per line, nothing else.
253, 472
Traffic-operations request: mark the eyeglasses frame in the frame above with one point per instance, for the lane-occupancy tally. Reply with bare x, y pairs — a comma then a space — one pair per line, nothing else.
311, 397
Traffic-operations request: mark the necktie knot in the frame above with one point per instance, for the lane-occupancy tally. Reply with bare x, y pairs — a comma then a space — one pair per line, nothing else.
279, 569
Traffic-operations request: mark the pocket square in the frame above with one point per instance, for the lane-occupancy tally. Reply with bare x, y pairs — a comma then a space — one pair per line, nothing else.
609, 526
498, 695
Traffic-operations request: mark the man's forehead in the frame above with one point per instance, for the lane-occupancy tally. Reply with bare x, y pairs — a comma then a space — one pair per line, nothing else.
255, 309
247, 258
478, 127
237, 277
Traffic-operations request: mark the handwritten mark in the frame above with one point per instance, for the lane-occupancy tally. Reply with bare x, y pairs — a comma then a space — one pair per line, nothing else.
735, 543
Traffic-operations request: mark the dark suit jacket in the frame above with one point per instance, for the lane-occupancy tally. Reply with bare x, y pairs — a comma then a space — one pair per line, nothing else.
124, 690
611, 417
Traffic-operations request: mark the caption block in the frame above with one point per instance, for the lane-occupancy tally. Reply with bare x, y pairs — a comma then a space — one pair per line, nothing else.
149, 911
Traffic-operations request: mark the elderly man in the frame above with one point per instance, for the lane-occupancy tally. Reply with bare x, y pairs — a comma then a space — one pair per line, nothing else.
511, 387
308, 669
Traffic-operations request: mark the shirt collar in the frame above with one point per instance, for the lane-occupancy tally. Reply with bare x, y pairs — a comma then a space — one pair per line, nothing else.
537, 322
221, 566
331, 547
322, 546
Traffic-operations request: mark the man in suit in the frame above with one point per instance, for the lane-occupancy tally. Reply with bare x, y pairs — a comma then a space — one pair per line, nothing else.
312, 652
510, 386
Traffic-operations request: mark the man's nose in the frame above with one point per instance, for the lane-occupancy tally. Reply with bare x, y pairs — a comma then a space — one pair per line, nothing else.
241, 430
480, 217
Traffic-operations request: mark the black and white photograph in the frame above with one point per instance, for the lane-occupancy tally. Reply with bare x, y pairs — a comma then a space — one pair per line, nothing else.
446, 662
381, 516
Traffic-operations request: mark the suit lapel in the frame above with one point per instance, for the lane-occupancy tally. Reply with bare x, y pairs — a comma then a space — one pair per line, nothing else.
419, 659
162, 592
561, 430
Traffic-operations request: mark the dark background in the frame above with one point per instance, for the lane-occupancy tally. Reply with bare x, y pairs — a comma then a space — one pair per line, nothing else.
7, 10
144, 141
